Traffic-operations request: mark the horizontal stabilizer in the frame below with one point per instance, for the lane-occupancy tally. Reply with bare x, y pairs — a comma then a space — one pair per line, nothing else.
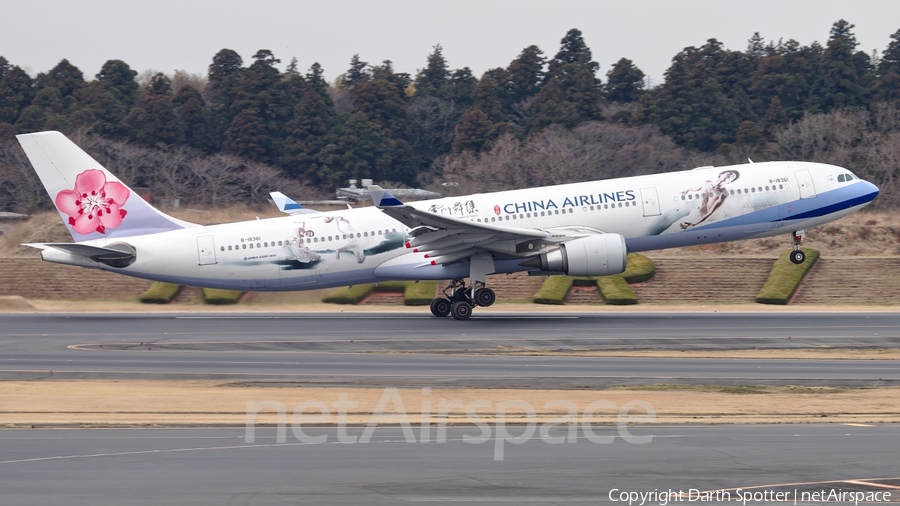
116, 255
288, 205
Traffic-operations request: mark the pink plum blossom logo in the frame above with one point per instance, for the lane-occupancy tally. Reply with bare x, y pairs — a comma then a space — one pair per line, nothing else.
95, 204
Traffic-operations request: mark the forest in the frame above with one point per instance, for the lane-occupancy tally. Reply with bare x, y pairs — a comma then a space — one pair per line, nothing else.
247, 128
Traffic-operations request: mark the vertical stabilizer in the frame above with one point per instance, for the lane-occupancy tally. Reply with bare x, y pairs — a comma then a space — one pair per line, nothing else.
91, 201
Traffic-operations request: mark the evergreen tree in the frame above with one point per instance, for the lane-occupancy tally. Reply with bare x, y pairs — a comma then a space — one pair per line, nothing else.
840, 82
775, 117
225, 74
472, 131
248, 136
118, 78
357, 75
576, 93
318, 83
526, 73
625, 82
693, 106
307, 134
152, 121
189, 108
461, 88
890, 60
888, 86
16, 92
431, 80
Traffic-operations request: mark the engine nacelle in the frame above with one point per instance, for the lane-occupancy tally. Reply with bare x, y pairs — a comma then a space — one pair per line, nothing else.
597, 255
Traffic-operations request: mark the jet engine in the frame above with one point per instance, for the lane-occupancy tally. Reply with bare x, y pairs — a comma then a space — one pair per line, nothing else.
596, 255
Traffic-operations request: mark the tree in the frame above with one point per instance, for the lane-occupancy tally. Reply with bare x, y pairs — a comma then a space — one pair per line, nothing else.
356, 76
472, 132
189, 108
526, 73
118, 79
248, 136
152, 121
225, 74
431, 80
840, 80
575, 94
625, 82
306, 135
16, 92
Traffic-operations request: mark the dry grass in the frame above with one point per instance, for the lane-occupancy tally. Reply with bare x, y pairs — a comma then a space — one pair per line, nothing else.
105, 402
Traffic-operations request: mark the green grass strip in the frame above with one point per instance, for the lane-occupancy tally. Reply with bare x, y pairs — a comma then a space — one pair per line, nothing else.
785, 278
419, 294
554, 290
615, 291
639, 268
350, 295
221, 297
160, 293
414, 294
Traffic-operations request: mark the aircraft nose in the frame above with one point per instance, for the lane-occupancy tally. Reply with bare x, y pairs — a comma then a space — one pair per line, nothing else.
870, 191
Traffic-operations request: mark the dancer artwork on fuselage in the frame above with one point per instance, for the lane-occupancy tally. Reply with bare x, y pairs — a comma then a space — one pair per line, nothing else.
579, 229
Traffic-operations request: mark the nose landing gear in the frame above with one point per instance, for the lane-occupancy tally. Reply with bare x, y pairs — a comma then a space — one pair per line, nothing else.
458, 300
797, 255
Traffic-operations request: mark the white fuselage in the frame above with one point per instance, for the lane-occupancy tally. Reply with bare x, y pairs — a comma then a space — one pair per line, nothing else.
346, 247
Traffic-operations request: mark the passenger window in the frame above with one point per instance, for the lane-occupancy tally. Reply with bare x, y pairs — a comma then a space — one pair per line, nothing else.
767, 188
781, 187
315, 239
542, 213
379, 232
493, 219
223, 248
229, 248
279, 243
732, 192
258, 245
753, 190
266, 244
251, 245
760, 188
244, 246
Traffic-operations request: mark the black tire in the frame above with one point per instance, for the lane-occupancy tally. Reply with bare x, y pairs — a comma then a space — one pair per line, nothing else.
798, 257
461, 310
440, 307
461, 295
485, 297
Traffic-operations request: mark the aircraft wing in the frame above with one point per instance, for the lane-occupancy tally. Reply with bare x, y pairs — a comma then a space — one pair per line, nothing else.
288, 205
444, 239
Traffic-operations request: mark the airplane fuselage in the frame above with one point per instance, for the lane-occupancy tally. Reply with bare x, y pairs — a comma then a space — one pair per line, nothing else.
354, 246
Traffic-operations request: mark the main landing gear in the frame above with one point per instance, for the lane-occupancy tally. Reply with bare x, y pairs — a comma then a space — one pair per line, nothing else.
458, 300
797, 255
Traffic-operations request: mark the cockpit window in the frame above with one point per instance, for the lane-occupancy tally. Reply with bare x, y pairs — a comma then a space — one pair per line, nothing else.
849, 177
841, 178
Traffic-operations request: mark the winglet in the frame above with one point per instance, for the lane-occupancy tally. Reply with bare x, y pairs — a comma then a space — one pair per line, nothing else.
382, 198
288, 205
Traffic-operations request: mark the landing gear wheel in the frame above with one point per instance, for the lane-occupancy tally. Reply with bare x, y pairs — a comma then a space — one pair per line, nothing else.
461, 295
461, 310
798, 257
485, 297
440, 307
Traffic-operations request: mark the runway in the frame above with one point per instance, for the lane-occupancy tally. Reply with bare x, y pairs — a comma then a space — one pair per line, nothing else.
415, 350
217, 467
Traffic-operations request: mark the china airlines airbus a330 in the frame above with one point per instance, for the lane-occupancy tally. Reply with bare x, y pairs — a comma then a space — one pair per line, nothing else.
581, 229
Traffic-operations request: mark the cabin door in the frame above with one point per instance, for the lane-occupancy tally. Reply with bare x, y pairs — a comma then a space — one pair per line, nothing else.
206, 250
650, 199
807, 190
